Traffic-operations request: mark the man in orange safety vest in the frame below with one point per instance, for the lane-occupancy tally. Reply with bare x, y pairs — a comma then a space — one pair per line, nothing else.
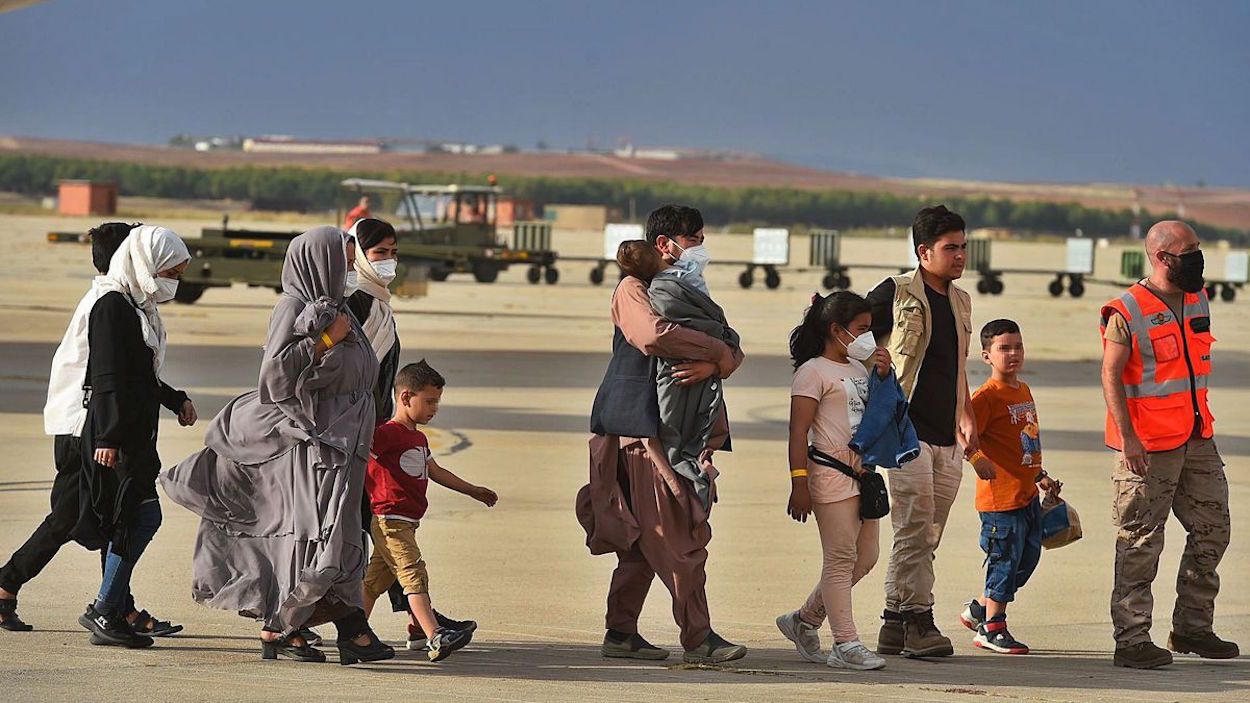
1156, 363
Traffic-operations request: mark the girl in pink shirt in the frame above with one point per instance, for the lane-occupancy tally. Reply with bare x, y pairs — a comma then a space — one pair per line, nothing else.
827, 399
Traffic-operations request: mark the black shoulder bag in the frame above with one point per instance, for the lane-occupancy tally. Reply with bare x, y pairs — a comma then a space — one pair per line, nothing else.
874, 500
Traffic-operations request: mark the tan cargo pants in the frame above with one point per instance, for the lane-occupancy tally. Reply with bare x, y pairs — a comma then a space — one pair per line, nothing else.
921, 494
1189, 482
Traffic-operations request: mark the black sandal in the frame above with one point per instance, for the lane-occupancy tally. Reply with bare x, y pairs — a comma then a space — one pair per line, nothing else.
310, 636
376, 650
147, 624
286, 648
11, 622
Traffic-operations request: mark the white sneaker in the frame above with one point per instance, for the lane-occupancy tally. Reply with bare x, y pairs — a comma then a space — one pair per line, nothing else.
854, 655
806, 638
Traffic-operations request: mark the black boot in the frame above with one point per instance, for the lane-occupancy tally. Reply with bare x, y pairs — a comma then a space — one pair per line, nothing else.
11, 622
1143, 655
1206, 645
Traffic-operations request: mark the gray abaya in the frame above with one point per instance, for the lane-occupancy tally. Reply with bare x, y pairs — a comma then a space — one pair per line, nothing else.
280, 481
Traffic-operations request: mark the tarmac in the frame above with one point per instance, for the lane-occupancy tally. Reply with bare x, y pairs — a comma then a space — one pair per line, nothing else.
522, 363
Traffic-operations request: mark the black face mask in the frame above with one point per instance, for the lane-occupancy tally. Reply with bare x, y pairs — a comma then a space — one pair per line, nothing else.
1185, 271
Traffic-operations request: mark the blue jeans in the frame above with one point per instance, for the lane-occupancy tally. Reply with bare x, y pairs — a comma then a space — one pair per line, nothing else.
114, 597
1012, 542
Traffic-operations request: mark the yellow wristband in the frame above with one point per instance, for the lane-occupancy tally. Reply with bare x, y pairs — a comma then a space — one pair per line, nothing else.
326, 338
978, 454
798, 473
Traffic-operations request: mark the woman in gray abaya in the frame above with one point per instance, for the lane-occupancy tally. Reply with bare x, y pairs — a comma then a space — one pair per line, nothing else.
279, 483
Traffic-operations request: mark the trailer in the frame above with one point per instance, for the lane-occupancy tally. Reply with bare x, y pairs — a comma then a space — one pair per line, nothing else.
441, 230
771, 252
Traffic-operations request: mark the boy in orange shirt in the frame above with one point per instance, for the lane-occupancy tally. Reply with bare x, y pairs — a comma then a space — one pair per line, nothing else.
1011, 515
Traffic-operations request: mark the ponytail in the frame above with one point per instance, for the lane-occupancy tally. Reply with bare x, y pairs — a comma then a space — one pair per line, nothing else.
807, 341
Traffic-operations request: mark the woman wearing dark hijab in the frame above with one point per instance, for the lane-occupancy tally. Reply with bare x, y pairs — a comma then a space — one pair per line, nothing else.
280, 481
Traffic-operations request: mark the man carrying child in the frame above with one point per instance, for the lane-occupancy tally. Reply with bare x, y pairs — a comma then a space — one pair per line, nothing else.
651, 518
400, 469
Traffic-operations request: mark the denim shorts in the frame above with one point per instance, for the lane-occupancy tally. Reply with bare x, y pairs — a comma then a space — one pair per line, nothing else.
1012, 542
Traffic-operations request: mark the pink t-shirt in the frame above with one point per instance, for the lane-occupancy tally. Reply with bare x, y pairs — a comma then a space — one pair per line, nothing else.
841, 391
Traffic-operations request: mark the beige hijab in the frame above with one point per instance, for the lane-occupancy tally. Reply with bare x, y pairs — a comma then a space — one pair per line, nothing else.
380, 327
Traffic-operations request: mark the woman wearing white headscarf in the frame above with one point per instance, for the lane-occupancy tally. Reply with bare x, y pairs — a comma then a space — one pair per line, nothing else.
377, 253
279, 483
126, 349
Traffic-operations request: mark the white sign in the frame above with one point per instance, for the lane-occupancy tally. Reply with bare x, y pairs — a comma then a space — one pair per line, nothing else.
913, 261
614, 234
1237, 267
1080, 255
772, 246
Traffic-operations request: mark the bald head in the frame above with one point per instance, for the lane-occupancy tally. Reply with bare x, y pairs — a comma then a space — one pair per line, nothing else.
1170, 237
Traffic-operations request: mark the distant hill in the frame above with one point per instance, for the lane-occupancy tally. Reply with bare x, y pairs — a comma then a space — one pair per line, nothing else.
1224, 207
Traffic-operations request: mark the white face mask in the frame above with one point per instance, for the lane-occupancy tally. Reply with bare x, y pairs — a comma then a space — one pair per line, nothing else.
385, 269
695, 259
862, 347
165, 289
352, 284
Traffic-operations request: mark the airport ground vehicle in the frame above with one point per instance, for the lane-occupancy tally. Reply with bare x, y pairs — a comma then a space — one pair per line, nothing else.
442, 230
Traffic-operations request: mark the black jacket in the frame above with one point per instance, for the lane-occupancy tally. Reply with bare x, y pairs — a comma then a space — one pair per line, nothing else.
124, 398
361, 303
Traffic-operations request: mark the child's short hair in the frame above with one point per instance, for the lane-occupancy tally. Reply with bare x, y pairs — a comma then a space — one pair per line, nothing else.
994, 328
639, 259
414, 377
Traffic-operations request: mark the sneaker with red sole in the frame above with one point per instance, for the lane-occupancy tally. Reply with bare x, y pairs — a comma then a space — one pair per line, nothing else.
994, 636
973, 615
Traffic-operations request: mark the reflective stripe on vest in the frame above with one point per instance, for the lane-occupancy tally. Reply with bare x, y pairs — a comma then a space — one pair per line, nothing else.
1165, 379
1138, 325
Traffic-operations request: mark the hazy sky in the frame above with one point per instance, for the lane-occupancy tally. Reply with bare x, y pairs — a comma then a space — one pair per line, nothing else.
1072, 91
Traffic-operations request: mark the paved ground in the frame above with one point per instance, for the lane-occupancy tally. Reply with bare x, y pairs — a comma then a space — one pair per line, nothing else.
523, 362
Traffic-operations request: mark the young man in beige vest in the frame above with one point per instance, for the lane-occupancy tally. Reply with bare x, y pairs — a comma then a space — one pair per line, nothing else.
925, 320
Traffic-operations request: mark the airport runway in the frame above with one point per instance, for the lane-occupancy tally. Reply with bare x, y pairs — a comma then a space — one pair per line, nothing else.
523, 363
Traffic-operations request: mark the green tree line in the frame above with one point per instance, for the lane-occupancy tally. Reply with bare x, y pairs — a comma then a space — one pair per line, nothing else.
297, 188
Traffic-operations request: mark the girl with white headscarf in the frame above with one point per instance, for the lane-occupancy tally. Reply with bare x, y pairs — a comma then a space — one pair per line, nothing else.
279, 484
126, 350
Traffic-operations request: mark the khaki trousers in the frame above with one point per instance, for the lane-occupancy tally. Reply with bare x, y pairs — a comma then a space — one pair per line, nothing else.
921, 494
396, 557
1190, 483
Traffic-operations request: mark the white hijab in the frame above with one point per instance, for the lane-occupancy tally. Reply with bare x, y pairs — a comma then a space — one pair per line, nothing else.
147, 251
380, 327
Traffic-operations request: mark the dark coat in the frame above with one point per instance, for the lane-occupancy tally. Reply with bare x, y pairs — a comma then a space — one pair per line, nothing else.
124, 399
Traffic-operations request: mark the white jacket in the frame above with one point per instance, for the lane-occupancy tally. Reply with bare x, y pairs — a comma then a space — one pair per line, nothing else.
64, 413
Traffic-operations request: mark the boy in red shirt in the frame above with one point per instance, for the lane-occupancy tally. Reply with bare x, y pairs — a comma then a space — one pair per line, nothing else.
400, 469
1011, 516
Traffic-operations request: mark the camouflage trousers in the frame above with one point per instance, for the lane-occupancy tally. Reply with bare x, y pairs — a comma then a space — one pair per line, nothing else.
1190, 483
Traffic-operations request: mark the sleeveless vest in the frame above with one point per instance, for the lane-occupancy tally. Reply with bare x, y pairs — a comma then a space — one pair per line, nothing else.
1165, 380
627, 403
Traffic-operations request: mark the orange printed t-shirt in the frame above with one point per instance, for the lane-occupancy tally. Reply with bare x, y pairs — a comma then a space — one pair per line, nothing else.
1010, 437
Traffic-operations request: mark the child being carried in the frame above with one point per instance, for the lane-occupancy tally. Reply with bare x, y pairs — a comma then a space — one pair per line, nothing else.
688, 413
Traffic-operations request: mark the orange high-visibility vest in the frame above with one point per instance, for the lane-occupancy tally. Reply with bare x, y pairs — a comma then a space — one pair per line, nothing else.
1165, 379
